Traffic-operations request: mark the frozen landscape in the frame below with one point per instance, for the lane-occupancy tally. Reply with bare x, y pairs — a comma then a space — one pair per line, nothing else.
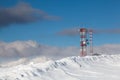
104, 67
56, 66
59, 39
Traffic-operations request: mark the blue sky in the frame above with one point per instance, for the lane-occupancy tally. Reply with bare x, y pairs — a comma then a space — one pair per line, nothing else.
95, 14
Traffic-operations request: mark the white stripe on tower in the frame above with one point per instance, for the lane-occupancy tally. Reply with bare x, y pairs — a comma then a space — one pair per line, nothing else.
91, 41
83, 43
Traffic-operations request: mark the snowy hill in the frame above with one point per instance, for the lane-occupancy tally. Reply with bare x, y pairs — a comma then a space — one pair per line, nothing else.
104, 67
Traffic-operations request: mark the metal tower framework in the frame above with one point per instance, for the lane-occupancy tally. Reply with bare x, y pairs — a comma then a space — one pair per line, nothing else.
83, 43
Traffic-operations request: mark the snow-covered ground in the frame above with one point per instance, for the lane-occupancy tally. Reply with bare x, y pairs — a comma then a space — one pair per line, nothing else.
104, 67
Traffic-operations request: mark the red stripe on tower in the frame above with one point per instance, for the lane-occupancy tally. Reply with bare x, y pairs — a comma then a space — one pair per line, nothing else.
83, 43
91, 41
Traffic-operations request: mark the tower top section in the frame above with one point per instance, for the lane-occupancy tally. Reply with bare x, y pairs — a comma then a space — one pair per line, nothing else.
83, 30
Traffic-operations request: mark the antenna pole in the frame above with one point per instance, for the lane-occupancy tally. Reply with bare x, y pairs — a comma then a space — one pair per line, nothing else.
83, 43
91, 41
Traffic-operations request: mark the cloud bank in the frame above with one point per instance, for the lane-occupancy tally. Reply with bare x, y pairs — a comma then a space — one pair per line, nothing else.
26, 51
22, 13
23, 52
32, 48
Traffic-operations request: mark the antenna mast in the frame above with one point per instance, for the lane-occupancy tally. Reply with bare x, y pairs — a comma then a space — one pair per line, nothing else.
83, 42
91, 41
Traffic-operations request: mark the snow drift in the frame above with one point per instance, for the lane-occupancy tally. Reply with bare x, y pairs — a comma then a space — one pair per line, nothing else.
104, 67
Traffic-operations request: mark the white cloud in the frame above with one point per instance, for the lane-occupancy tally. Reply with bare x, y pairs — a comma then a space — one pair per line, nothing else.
108, 49
29, 49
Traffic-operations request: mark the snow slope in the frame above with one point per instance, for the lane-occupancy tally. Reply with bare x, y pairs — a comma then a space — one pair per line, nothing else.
104, 67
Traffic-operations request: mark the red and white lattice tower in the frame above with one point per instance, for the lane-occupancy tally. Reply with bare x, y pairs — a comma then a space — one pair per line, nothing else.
91, 41
83, 42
